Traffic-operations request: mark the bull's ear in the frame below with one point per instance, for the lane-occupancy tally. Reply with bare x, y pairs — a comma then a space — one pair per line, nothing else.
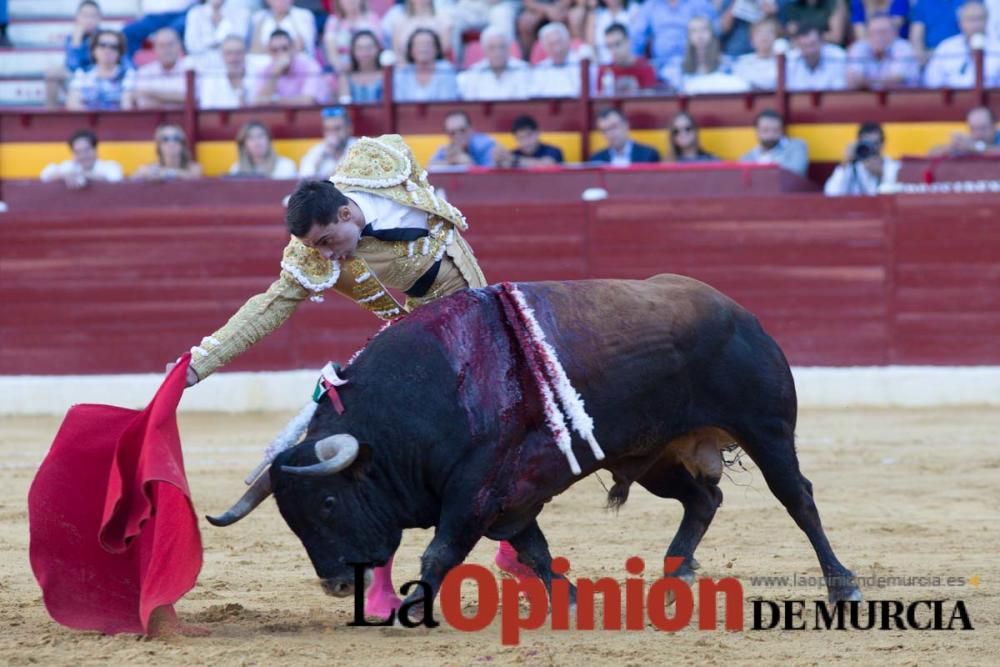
359, 467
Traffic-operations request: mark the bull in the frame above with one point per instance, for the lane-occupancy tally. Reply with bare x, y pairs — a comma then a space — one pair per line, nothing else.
443, 426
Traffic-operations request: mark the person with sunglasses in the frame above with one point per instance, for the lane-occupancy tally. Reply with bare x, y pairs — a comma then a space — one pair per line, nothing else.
321, 160
173, 157
465, 147
110, 83
684, 143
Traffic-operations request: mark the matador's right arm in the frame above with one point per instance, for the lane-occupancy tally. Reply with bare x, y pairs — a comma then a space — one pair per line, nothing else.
263, 313
304, 274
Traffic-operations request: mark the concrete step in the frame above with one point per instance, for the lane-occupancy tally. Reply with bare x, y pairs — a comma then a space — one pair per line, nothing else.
51, 33
22, 92
29, 62
29, 9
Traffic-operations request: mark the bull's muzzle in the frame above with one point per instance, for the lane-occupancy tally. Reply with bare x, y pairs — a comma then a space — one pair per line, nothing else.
338, 588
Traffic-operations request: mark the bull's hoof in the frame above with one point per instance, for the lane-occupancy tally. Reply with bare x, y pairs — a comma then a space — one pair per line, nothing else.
846, 594
381, 605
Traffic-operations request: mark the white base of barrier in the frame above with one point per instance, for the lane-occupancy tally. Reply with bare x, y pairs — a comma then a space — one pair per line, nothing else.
863, 386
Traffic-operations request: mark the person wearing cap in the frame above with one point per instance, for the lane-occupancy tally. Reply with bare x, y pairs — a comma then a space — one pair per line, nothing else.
321, 160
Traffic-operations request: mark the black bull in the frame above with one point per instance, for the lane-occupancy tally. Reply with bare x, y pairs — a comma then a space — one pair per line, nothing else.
444, 426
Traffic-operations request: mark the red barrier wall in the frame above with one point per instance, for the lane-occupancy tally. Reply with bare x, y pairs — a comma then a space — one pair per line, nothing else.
887, 280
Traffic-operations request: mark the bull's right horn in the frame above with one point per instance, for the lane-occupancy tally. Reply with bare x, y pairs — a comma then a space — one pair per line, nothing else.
255, 495
335, 453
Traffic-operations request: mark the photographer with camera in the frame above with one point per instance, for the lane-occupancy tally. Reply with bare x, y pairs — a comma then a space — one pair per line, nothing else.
864, 169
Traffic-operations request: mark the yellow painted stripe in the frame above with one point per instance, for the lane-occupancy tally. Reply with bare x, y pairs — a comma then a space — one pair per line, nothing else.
25, 160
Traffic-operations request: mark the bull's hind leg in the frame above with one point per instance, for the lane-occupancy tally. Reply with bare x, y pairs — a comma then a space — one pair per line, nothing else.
700, 496
774, 454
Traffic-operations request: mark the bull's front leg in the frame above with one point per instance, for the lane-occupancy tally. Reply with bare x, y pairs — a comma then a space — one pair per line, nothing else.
453, 541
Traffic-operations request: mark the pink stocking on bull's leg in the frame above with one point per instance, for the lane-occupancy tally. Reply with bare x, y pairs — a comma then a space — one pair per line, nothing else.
507, 560
381, 599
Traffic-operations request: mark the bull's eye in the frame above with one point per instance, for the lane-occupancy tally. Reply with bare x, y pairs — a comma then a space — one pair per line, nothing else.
328, 503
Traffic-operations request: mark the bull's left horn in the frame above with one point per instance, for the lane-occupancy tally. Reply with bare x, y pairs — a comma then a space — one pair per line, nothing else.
255, 495
335, 453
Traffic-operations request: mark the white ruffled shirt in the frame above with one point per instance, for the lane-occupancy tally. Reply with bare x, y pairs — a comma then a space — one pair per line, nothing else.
383, 214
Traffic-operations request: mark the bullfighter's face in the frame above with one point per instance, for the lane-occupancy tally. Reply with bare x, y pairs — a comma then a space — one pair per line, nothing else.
331, 510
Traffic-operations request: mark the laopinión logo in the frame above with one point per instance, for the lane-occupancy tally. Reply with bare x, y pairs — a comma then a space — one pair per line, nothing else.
647, 604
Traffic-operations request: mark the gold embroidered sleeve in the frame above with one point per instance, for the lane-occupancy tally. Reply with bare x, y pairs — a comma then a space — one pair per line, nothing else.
257, 318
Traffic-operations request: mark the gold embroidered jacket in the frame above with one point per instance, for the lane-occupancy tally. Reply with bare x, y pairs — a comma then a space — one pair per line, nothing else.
383, 167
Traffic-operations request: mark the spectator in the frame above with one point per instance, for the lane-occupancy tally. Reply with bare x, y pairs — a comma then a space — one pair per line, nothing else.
813, 65
864, 169
863, 11
420, 14
685, 145
109, 84
465, 147
230, 86
982, 138
603, 15
363, 82
160, 84
773, 147
760, 68
828, 16
704, 69
479, 15
173, 157
663, 25
535, 14
207, 26
84, 166
257, 156
621, 150
321, 160
530, 151
349, 17
296, 22
953, 64
737, 19
882, 59
77, 47
426, 76
155, 15
498, 76
292, 78
627, 72
558, 75
932, 22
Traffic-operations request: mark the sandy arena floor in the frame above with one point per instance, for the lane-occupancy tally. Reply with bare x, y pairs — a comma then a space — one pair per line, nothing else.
904, 493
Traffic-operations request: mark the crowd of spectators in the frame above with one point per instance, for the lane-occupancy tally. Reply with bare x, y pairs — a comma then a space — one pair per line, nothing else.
265, 52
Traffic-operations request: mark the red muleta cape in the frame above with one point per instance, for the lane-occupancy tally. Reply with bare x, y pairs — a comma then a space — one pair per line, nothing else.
113, 531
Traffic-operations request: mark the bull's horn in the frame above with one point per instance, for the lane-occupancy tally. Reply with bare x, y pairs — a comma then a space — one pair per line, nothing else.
255, 495
335, 453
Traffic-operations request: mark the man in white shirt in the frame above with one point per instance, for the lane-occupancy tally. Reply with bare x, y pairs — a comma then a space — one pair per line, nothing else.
760, 68
84, 166
160, 84
280, 14
207, 26
224, 80
814, 65
864, 169
559, 74
321, 160
497, 76
953, 65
